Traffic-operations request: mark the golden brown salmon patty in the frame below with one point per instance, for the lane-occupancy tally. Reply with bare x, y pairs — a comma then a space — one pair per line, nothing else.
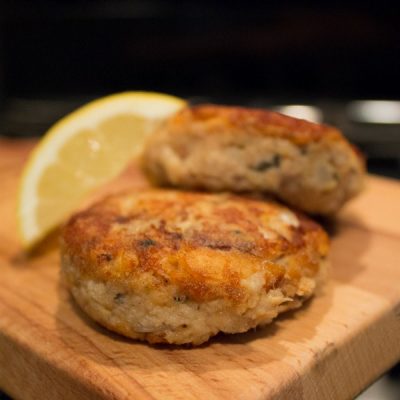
310, 166
178, 267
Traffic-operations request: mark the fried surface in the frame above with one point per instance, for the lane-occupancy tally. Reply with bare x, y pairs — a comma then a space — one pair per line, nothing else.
186, 250
310, 166
254, 122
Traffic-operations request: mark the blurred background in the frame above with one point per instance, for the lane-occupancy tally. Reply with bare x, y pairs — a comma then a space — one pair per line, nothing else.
56, 55
335, 61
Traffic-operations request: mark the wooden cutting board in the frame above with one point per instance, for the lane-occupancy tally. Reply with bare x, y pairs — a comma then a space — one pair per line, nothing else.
331, 349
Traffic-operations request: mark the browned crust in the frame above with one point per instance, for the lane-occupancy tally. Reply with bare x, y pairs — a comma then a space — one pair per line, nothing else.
215, 119
206, 260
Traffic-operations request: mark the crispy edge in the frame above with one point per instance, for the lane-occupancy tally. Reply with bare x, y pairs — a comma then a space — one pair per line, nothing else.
217, 118
87, 245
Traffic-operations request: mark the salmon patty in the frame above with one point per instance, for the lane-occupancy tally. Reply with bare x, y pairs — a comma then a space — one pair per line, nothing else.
179, 267
309, 166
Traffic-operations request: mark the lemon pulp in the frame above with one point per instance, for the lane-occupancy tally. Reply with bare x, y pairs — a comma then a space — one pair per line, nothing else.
82, 151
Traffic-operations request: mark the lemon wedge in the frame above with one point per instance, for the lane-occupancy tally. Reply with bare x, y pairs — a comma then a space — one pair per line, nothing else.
82, 151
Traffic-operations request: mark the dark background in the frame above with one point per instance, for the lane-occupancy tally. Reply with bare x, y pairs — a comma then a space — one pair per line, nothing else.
336, 49
56, 55
340, 49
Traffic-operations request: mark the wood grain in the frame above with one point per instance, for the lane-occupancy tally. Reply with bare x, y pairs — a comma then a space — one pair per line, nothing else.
331, 349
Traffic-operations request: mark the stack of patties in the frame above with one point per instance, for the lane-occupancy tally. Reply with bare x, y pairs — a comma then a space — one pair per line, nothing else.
178, 267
